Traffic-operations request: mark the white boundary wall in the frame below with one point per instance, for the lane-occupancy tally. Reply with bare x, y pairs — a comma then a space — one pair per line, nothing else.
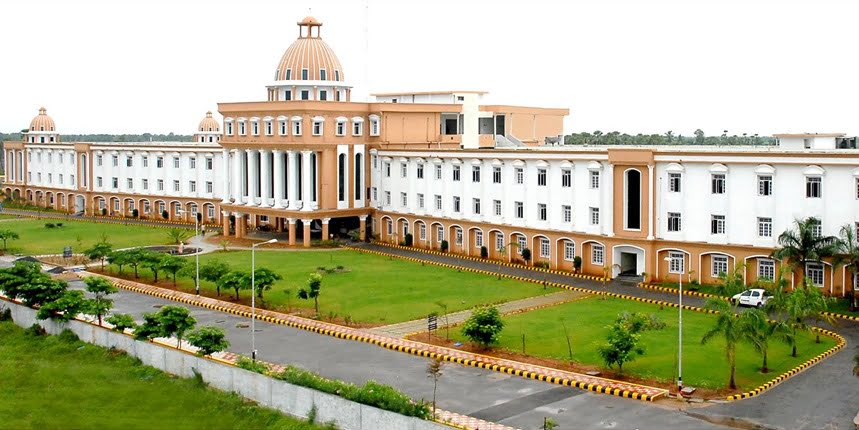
290, 399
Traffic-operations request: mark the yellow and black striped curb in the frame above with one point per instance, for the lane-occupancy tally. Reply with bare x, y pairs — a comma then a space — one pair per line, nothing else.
361, 337
796, 370
495, 262
842, 316
99, 219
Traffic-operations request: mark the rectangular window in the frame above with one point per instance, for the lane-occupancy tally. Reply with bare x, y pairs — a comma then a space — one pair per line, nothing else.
115, 161
305, 95
718, 183
145, 160
545, 248
541, 211
458, 236
566, 178
375, 194
595, 180
541, 177
175, 162
287, 95
765, 185
229, 128
597, 254
269, 130
160, 185
422, 231
387, 170
675, 222
766, 269
145, 184
520, 175
51, 180
676, 262
388, 198
478, 238
420, 200
98, 181
209, 163
816, 228
317, 128
390, 227
357, 128
282, 127
420, 171
765, 227
129, 183
674, 182
456, 170
159, 162
496, 175
857, 188
717, 224
211, 212
497, 205
437, 202
475, 204
404, 170
475, 173
456, 207
242, 130
129, 162
595, 216
499, 241
296, 128
519, 208
439, 233
323, 95
288, 74
192, 185
520, 242
115, 183
304, 74
176, 186
192, 162
99, 160
569, 250
567, 213
814, 271
813, 187
438, 171
719, 265
404, 199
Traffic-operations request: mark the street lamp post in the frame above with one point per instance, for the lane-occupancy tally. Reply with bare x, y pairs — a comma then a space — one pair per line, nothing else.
670, 259
253, 296
197, 256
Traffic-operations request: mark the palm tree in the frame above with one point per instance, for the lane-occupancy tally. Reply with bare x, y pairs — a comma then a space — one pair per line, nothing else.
759, 331
178, 236
815, 306
849, 256
802, 244
729, 327
732, 281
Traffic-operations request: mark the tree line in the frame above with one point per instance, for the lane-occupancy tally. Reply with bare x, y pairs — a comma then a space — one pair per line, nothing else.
667, 138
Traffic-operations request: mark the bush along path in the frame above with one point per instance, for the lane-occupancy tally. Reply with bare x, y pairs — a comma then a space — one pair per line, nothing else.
571, 379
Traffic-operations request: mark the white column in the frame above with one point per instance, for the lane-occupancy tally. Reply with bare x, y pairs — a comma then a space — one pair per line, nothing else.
608, 201
252, 174
306, 179
278, 178
292, 179
237, 176
650, 203
225, 167
265, 160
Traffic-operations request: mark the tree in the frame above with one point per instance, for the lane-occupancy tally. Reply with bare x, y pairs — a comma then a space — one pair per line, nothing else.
803, 244
175, 321
728, 327
264, 279
19, 276
758, 330
213, 271
235, 280
64, 308
99, 287
119, 259
621, 346
120, 322
699, 136
483, 326
7, 235
848, 245
99, 251
526, 255
178, 236
136, 257
434, 371
150, 329
40, 289
314, 284
153, 261
173, 264
815, 306
208, 340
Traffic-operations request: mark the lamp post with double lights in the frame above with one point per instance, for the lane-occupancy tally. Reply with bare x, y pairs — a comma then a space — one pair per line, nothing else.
670, 259
197, 256
253, 296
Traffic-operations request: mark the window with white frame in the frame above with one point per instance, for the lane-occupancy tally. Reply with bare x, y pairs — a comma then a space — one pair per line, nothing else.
375, 194
98, 181
717, 224
269, 128
766, 269
209, 163
719, 265
458, 236
765, 185
420, 200
438, 171
229, 128
374, 125
115, 182
541, 177
210, 211
595, 216
475, 173
814, 271
404, 199
519, 209
192, 162
499, 241
129, 183
566, 178
50, 178
475, 206
569, 250
175, 162
255, 128
162, 207
99, 160
816, 227
496, 175
404, 170
437, 202
422, 231
676, 262
597, 254
675, 222
857, 187
674, 180
296, 127
357, 128
145, 184
595, 179
159, 162
419, 171
242, 130
439, 232
146, 207
521, 243
390, 227
541, 211
456, 171
160, 185
71, 179
478, 238
545, 248
387, 167
497, 205
305, 94
317, 127
456, 207
765, 227
520, 175
114, 158
176, 186
129, 161
116, 205
717, 181
813, 187
282, 127
388, 198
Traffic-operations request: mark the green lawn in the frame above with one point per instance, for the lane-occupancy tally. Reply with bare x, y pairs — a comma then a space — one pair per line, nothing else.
37, 239
374, 289
703, 366
53, 383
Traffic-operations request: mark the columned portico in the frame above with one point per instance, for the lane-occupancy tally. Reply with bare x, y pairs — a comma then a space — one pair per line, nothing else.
241, 225
306, 181
237, 176
362, 229
306, 239
253, 174
291, 222
225, 223
325, 222
292, 181
225, 167
265, 182
278, 179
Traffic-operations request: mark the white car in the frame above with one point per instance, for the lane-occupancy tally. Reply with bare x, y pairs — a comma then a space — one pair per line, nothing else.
755, 297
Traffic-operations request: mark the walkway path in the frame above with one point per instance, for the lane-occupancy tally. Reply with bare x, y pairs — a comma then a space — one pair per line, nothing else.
404, 329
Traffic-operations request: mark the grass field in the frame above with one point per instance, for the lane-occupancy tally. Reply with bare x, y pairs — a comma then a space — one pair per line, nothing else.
373, 289
703, 365
51, 383
37, 239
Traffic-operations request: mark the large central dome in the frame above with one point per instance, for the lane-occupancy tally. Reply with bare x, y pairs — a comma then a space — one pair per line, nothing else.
309, 58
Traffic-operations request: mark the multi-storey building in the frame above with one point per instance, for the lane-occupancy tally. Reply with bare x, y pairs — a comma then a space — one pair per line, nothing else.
442, 166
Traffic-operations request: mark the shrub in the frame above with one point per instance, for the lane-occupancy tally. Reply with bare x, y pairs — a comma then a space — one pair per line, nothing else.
251, 365
165, 215
208, 340
484, 253
35, 330
68, 336
121, 322
444, 246
59, 224
542, 264
135, 213
409, 239
526, 255
483, 326
577, 263
5, 314
103, 211
50, 225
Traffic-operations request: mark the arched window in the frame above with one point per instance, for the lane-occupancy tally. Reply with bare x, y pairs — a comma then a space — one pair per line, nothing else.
632, 202
341, 177
359, 167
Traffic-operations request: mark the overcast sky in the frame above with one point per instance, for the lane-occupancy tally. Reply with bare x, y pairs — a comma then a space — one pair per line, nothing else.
633, 66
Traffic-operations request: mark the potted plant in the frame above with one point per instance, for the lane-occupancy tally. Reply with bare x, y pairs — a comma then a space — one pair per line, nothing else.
577, 264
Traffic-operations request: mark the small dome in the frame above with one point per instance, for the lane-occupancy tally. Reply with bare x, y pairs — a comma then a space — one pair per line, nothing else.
209, 124
309, 52
42, 122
